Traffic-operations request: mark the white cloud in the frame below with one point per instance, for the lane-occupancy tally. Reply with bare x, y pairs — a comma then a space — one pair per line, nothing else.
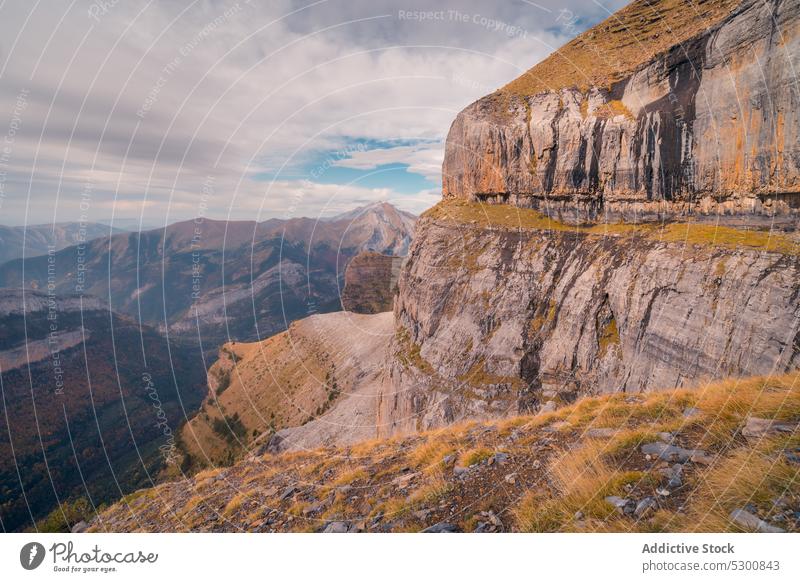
421, 159
154, 98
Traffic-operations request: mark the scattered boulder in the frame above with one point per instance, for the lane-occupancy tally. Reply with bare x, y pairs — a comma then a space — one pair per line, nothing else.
80, 527
499, 458
672, 453
756, 428
674, 475
511, 479
288, 492
645, 506
624, 506
442, 527
336, 527
752, 522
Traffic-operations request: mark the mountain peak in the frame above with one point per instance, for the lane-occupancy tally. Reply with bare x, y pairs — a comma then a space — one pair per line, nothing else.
381, 208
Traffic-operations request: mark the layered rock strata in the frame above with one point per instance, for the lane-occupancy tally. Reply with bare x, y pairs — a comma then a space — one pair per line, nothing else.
697, 117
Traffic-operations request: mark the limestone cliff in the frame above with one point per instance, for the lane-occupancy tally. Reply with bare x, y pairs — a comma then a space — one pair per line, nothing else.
667, 111
664, 109
501, 309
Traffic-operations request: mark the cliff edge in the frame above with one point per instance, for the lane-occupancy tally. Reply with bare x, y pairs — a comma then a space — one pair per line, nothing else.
664, 109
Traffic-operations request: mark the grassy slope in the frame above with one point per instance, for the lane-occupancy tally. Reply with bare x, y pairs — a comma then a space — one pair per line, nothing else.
612, 50
507, 216
555, 468
282, 381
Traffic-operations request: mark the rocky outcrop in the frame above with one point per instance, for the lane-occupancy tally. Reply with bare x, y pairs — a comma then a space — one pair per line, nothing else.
696, 116
496, 320
314, 384
369, 283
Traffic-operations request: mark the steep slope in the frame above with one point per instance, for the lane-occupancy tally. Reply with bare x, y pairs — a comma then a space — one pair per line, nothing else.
38, 239
663, 109
313, 384
89, 403
220, 281
672, 461
501, 309
370, 281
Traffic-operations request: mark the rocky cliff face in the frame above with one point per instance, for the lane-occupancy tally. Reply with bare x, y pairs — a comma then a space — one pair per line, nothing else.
369, 282
661, 110
499, 318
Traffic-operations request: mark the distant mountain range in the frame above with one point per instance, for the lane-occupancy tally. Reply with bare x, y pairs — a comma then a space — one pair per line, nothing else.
216, 281
37, 239
90, 403
94, 395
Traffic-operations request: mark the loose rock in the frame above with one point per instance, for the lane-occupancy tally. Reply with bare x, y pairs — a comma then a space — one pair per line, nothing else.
442, 527
752, 522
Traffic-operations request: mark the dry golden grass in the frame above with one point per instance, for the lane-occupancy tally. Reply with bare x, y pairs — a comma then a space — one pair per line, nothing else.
430, 493
703, 235
584, 479
733, 238
430, 453
612, 50
474, 456
576, 475
350, 475
478, 375
236, 502
746, 476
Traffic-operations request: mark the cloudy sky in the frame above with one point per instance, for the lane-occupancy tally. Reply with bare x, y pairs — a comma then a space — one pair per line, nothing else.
166, 110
